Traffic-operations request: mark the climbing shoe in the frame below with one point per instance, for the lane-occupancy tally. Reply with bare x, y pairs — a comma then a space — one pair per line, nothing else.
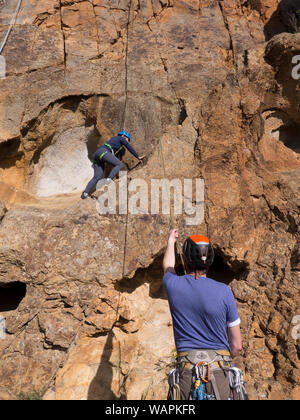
85, 195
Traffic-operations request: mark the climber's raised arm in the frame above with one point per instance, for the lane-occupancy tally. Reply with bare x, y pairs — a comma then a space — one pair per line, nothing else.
125, 141
169, 258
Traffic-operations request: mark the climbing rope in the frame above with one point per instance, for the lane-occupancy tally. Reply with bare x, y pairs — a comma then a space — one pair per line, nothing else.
126, 68
123, 125
172, 219
124, 112
12, 23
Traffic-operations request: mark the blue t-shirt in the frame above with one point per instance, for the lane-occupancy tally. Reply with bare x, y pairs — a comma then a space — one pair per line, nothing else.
201, 310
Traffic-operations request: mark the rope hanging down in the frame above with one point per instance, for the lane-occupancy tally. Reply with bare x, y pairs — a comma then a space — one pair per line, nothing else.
123, 125
124, 113
126, 67
172, 219
172, 222
12, 23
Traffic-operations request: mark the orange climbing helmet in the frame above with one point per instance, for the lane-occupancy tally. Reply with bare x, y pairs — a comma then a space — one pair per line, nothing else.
198, 252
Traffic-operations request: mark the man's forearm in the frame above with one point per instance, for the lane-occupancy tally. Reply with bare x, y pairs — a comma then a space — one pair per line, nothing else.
235, 341
169, 258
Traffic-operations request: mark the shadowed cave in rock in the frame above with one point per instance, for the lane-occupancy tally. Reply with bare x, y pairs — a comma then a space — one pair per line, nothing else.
9, 153
11, 295
280, 21
152, 275
290, 136
221, 270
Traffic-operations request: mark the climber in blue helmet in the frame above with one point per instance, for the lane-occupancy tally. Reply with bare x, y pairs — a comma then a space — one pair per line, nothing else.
107, 154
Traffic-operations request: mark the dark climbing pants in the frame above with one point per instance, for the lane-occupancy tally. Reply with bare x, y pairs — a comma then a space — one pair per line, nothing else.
99, 168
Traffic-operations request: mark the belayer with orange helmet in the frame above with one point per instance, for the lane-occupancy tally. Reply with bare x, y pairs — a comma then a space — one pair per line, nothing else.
206, 325
107, 154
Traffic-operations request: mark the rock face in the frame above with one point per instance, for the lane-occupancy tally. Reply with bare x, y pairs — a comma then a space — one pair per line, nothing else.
208, 92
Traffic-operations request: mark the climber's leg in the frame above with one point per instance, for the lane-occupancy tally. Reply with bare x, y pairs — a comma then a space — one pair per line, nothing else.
98, 174
112, 160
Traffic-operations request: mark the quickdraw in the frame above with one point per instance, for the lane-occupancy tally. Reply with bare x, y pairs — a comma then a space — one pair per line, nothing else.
201, 376
174, 389
200, 370
237, 385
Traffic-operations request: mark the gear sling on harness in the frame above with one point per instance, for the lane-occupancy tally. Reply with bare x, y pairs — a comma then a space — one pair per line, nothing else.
204, 371
104, 153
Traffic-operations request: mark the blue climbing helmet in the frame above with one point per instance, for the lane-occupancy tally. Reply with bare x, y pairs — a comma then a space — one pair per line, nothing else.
124, 133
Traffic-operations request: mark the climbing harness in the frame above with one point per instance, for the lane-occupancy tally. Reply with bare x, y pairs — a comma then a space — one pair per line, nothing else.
105, 153
102, 155
12, 23
109, 146
204, 384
